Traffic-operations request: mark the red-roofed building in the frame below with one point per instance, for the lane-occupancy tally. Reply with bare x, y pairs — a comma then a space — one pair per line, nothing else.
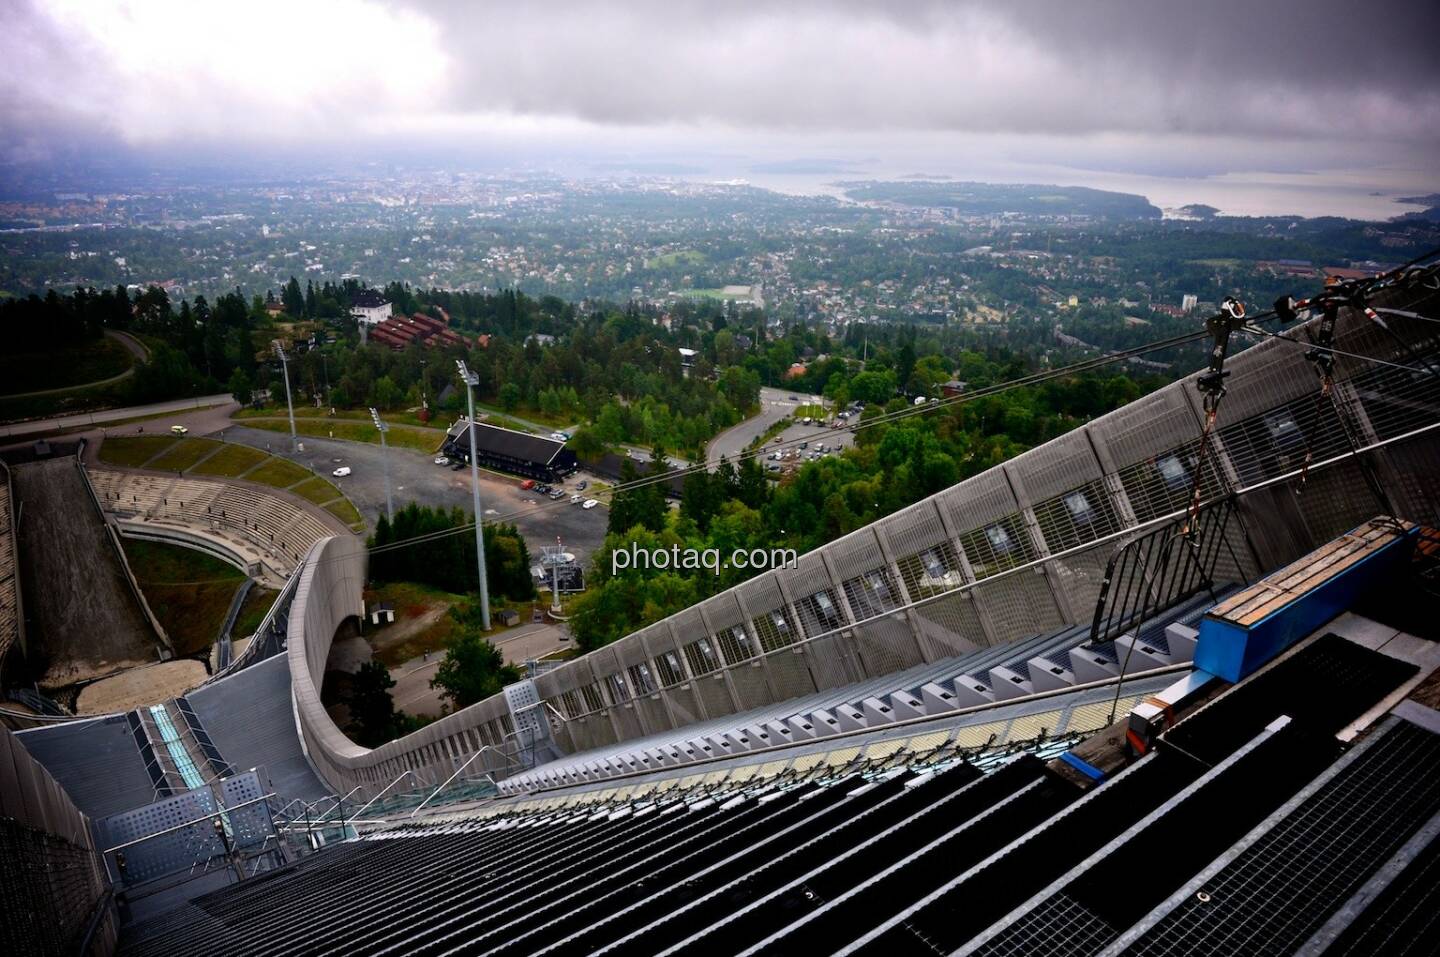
1339, 272
398, 332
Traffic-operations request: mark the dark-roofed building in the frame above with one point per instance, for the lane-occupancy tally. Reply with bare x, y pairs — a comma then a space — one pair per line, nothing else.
506, 450
369, 307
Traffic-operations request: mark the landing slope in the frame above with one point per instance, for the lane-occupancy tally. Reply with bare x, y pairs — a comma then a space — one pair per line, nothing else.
84, 620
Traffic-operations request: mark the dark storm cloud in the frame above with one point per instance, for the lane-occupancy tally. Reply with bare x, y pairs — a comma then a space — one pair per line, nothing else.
164, 71
1292, 69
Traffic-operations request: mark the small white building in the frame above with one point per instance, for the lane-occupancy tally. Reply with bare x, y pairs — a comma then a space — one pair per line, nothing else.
370, 308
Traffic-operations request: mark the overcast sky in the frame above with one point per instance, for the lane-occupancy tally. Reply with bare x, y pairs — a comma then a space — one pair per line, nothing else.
1161, 87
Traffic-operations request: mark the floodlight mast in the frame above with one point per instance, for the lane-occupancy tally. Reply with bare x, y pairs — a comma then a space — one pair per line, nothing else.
285, 369
385, 458
471, 380
555, 608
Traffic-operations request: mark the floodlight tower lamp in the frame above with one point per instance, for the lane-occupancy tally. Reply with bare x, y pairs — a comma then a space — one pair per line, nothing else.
471, 380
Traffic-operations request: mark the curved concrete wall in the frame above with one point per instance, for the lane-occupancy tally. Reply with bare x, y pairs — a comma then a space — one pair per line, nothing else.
184, 537
330, 590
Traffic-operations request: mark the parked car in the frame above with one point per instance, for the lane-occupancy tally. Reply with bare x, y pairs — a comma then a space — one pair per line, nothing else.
590, 503
542, 488
459, 464
576, 499
179, 429
528, 484
341, 472
556, 494
581, 485
441, 460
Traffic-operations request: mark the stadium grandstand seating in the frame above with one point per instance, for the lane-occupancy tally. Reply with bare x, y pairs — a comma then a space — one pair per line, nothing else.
273, 524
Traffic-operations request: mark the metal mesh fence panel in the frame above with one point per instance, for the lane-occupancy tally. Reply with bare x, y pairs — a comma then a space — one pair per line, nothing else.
684, 704
1018, 605
700, 655
931, 571
790, 673
832, 661
999, 546
820, 612
736, 645
48, 887
886, 645
873, 593
1080, 575
714, 694
951, 624
651, 712
750, 685
776, 629
1077, 516
627, 722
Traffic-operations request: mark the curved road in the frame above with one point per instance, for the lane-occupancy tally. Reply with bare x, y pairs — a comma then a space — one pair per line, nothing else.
136, 348
775, 404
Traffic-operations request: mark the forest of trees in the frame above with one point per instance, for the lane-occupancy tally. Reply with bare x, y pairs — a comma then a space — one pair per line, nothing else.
448, 561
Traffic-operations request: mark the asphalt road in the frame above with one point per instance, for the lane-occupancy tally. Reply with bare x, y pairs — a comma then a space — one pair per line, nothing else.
416, 477
775, 404
81, 419
412, 692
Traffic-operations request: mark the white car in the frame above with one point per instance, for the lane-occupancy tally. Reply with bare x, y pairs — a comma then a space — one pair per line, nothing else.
576, 500
560, 436
341, 472
178, 429
590, 503
441, 460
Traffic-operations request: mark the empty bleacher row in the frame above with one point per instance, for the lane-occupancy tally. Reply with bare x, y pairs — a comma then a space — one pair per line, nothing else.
1048, 662
274, 524
1249, 836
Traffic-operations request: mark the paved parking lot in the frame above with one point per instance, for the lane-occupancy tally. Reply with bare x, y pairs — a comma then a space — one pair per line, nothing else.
415, 477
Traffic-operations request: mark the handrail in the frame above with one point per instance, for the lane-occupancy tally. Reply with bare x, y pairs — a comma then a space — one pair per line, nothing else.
339, 802
287, 593
403, 774
446, 782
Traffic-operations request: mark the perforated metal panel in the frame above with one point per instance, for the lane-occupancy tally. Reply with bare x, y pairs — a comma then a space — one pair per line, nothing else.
249, 826
521, 698
181, 832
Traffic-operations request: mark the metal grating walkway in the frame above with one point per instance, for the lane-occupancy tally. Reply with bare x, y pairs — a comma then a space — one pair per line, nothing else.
1277, 891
